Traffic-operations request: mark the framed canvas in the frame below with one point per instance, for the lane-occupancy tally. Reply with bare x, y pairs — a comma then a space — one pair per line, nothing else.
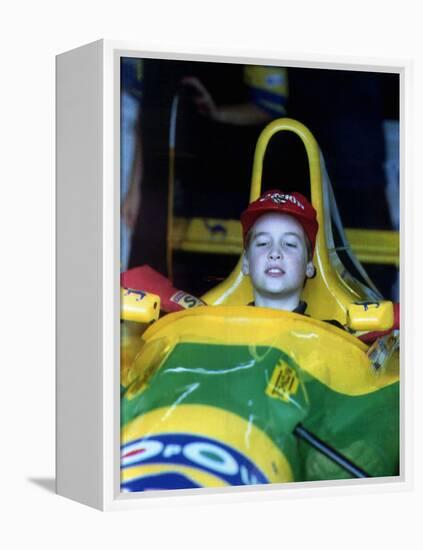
176, 377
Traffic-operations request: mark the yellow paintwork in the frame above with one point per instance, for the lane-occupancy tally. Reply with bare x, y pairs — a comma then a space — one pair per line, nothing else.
130, 341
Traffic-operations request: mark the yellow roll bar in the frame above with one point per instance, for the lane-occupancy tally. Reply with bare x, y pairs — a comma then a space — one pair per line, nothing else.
330, 294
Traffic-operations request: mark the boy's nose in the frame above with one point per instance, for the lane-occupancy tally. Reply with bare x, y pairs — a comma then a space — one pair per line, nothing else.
275, 254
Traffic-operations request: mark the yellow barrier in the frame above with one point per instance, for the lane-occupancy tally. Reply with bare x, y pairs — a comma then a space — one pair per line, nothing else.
216, 236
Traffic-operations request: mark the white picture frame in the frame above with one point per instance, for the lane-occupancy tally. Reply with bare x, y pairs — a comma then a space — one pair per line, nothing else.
88, 299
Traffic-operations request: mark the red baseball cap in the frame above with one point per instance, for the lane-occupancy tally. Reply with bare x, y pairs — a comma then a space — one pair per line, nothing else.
294, 204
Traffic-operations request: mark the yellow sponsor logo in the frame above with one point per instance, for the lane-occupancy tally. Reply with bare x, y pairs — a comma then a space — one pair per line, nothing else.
283, 382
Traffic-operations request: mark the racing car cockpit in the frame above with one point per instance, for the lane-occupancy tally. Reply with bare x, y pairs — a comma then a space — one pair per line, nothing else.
225, 394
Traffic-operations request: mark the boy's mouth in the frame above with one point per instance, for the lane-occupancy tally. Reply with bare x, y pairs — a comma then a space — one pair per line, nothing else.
274, 272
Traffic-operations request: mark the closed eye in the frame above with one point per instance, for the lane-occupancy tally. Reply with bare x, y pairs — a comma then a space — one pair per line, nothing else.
292, 245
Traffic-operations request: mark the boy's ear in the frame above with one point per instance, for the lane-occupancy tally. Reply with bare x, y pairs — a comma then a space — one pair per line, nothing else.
245, 266
310, 270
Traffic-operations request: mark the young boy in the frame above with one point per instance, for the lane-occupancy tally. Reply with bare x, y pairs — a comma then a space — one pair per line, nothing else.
279, 232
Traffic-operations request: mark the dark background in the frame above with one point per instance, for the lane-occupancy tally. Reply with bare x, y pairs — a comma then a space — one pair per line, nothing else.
344, 110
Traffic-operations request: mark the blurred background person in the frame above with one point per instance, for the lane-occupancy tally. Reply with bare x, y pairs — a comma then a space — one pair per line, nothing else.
130, 151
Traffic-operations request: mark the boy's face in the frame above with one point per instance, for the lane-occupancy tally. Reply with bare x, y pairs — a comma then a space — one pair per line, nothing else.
276, 256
